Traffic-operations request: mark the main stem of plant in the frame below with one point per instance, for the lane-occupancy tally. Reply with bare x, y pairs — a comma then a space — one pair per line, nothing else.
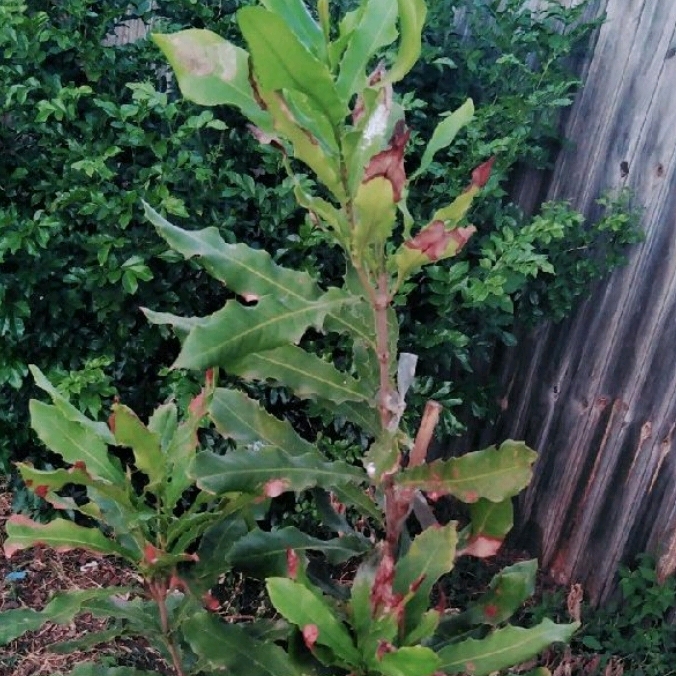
158, 591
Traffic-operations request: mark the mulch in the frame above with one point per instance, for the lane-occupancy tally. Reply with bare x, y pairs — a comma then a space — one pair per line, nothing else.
42, 573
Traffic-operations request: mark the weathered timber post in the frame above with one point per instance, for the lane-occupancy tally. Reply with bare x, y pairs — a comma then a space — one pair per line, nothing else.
596, 395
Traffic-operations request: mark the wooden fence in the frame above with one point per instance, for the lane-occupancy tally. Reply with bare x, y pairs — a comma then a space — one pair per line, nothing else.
596, 395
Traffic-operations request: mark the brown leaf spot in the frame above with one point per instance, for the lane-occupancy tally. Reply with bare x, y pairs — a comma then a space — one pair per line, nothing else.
491, 611
41, 491
389, 163
310, 635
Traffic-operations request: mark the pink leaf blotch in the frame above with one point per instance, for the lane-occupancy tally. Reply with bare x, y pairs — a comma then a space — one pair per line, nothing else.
310, 635
275, 487
482, 173
433, 240
292, 562
481, 546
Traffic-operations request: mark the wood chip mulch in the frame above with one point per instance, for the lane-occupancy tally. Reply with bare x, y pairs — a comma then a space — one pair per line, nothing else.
43, 573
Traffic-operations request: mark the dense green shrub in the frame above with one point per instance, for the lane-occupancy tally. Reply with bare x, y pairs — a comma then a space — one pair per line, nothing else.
88, 129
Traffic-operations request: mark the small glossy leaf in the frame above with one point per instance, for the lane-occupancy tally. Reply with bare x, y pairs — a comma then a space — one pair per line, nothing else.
236, 331
281, 62
228, 647
376, 29
59, 534
444, 134
131, 432
502, 648
411, 20
212, 71
302, 607
238, 417
269, 471
308, 376
409, 661
74, 442
494, 474
264, 554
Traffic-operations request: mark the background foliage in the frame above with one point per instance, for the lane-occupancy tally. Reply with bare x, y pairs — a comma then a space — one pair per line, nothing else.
88, 129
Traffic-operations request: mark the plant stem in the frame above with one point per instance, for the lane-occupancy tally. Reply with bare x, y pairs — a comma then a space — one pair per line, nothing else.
381, 305
158, 591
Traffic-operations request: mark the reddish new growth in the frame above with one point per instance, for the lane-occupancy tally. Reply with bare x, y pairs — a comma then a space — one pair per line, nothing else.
79, 465
384, 647
151, 554
292, 562
482, 173
433, 240
310, 635
389, 163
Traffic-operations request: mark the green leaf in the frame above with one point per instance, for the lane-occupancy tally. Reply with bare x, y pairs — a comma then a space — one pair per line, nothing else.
491, 519
376, 29
494, 474
269, 471
73, 441
409, 661
306, 374
281, 62
212, 71
444, 134
131, 432
59, 534
228, 647
431, 555
236, 331
302, 607
247, 272
214, 550
411, 20
164, 422
502, 648
61, 609
507, 592
100, 429
306, 147
238, 417
452, 214
376, 215
297, 17
263, 554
